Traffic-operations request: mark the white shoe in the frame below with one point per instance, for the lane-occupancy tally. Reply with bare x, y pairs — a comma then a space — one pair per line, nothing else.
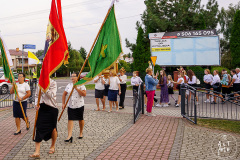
207, 101
165, 105
158, 105
177, 105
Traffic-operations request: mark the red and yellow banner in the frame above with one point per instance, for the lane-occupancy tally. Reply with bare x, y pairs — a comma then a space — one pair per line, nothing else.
56, 48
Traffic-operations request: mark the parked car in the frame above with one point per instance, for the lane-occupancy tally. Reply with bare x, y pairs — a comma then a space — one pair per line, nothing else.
5, 83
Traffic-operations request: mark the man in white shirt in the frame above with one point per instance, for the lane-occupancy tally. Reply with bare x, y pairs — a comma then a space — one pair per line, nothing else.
99, 90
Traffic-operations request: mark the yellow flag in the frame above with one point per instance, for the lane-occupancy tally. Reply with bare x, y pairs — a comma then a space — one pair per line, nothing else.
32, 59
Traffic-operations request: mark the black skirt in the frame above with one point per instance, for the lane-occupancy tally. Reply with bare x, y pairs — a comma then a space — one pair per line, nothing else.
170, 90
106, 89
99, 93
17, 111
236, 87
46, 122
75, 113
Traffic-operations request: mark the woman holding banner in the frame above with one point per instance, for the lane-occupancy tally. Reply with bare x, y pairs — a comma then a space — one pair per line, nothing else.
46, 126
24, 92
75, 106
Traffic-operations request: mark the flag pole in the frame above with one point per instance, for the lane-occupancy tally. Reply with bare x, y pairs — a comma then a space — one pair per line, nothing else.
36, 116
15, 88
85, 61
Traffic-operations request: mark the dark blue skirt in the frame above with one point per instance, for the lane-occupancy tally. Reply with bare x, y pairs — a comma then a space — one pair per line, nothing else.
112, 95
17, 111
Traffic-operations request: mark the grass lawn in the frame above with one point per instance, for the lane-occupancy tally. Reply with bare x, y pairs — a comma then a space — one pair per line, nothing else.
225, 125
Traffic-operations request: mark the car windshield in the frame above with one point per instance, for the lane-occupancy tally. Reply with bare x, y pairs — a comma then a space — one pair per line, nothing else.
1, 74
16, 76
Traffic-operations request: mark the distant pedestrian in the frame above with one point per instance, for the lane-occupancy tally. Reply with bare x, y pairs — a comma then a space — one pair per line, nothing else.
135, 82
23, 92
170, 89
164, 99
99, 90
123, 84
207, 79
192, 81
226, 79
216, 84
236, 83
151, 83
179, 82
75, 106
114, 89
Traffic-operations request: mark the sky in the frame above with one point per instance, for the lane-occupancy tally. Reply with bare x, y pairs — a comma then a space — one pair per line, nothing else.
25, 21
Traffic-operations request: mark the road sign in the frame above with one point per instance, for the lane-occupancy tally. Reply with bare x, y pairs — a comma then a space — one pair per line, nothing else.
29, 46
154, 58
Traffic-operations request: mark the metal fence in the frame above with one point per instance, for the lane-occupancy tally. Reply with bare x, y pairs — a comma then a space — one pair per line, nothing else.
138, 102
194, 104
6, 100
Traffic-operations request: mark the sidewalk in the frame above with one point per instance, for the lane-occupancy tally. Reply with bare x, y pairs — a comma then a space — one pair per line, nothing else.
114, 136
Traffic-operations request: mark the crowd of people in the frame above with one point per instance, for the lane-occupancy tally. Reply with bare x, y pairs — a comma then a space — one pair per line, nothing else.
112, 86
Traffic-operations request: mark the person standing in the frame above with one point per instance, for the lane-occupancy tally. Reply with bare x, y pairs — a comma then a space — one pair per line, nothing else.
226, 78
170, 89
75, 106
216, 84
235, 82
150, 83
164, 99
46, 126
114, 89
192, 81
135, 82
123, 80
23, 92
99, 90
34, 73
179, 82
207, 79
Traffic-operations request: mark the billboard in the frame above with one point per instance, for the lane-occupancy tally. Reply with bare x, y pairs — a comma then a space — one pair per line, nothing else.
186, 48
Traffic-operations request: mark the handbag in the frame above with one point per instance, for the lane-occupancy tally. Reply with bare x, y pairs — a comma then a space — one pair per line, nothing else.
216, 86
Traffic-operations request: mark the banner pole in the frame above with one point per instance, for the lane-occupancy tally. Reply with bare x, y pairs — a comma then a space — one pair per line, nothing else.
85, 61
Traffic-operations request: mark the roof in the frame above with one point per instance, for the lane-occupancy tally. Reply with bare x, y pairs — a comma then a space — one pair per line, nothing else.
13, 52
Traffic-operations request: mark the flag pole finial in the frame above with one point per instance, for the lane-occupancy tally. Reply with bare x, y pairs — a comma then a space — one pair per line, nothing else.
113, 1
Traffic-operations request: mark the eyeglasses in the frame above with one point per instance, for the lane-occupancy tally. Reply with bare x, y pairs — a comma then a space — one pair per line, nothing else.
20, 76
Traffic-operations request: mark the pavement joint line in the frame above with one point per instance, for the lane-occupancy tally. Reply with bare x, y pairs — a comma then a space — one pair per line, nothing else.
177, 145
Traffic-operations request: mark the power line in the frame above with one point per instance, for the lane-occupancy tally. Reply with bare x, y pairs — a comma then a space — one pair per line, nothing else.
47, 10
71, 26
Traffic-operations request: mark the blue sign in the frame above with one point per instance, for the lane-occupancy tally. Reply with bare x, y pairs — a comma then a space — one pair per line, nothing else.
29, 46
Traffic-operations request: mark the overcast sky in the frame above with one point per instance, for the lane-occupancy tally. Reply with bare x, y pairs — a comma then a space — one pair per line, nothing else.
25, 21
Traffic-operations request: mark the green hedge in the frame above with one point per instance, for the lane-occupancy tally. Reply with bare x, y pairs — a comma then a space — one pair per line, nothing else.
219, 69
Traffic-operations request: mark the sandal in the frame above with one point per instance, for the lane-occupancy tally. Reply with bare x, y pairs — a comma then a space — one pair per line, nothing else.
36, 156
96, 109
51, 151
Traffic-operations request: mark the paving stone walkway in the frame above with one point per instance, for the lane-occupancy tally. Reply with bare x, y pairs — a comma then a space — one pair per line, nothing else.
114, 136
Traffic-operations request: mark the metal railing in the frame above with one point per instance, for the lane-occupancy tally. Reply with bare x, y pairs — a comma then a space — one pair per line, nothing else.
6, 100
138, 102
194, 103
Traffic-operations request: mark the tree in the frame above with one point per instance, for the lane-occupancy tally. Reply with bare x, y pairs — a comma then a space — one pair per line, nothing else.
171, 15
235, 40
39, 53
141, 53
129, 55
124, 64
83, 53
124, 56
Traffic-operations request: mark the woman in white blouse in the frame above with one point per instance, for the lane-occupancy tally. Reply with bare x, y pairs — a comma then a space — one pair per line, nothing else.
235, 82
216, 83
114, 89
135, 82
75, 106
192, 81
23, 92
99, 90
179, 82
208, 78
123, 80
